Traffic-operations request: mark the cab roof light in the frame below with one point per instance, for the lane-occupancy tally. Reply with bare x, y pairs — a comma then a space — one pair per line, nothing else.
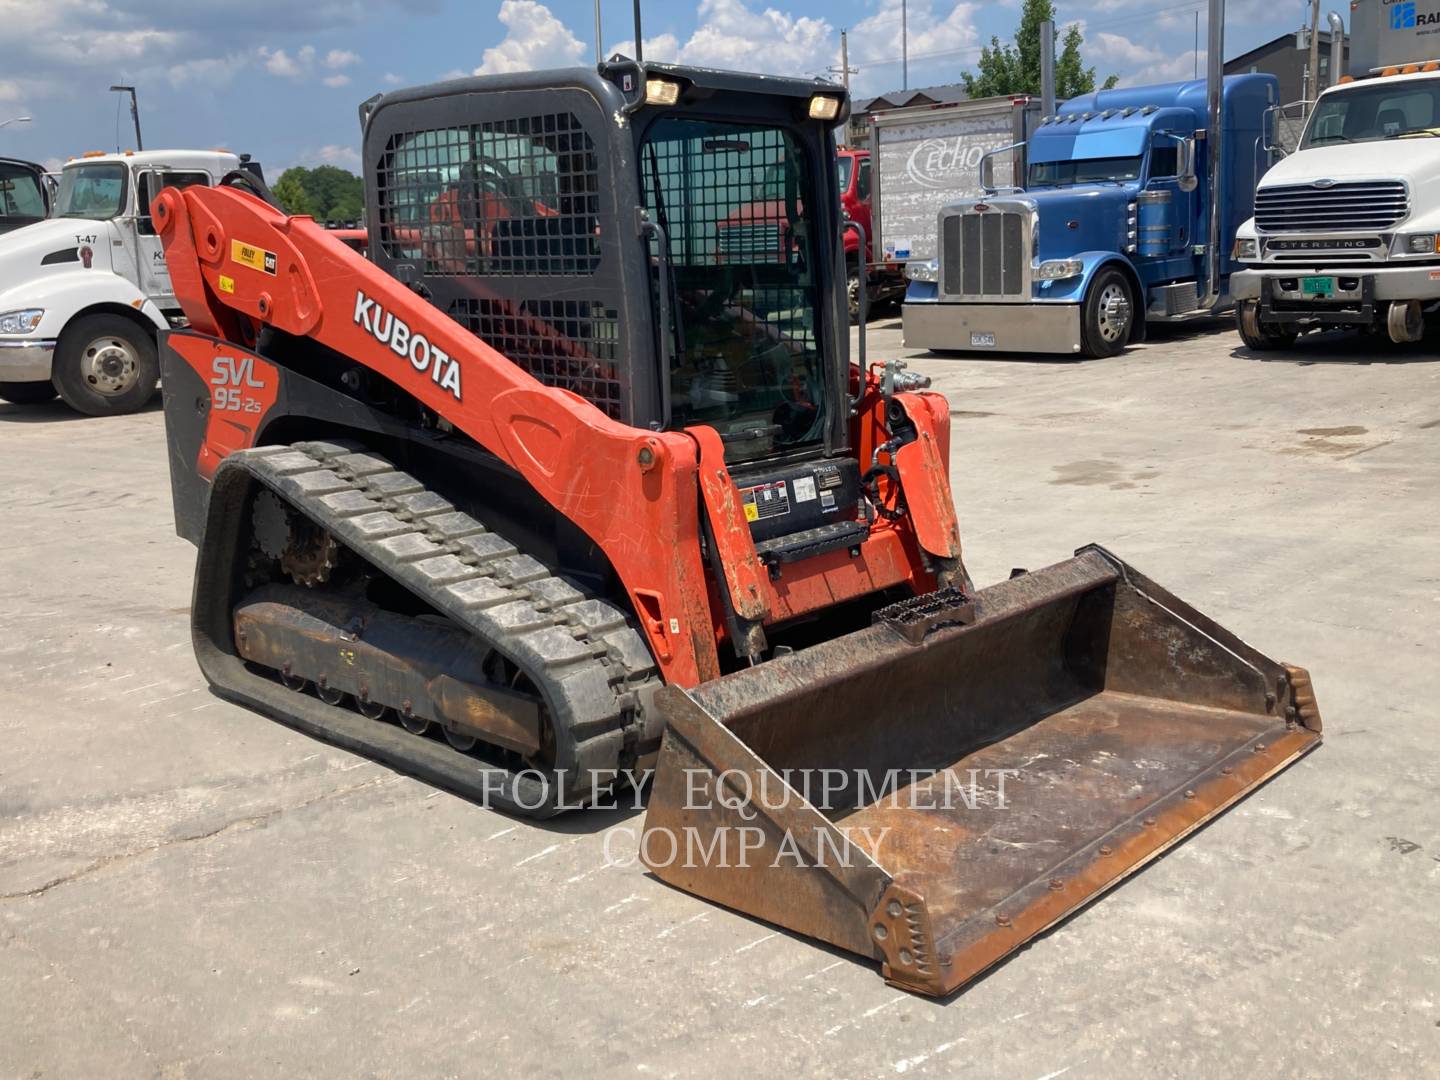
824, 107
1430, 65
1345, 79
1409, 69
1385, 72
93, 153
661, 92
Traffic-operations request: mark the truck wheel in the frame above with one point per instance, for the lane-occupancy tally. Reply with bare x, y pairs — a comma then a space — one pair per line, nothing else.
27, 393
105, 365
1255, 334
1108, 314
852, 292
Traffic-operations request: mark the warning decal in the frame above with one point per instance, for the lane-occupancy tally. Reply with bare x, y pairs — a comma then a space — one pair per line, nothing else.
253, 257
765, 501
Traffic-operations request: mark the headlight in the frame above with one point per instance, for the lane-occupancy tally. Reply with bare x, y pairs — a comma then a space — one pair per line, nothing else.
20, 322
1419, 244
661, 92
824, 107
1055, 269
916, 270
1246, 250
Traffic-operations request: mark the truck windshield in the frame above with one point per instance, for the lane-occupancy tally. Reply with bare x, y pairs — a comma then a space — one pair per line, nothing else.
20, 194
745, 297
92, 191
1371, 111
1084, 171
847, 166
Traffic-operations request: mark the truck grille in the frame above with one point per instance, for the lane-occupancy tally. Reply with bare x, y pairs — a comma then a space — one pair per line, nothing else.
751, 241
983, 254
1367, 204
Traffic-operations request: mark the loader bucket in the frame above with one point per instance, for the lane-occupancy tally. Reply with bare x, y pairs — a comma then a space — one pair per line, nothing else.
937, 789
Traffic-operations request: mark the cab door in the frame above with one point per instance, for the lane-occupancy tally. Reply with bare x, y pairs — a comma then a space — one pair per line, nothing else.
154, 275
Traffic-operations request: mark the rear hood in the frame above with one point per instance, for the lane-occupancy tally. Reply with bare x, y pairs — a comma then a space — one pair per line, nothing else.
1076, 219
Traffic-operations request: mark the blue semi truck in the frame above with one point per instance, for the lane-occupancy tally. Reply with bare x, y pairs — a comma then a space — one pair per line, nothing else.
1128, 216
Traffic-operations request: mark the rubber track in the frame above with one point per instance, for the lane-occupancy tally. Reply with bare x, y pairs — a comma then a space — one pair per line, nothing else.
584, 655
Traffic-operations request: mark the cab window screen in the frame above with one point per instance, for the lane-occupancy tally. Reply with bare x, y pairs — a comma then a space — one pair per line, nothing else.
20, 195
732, 201
518, 196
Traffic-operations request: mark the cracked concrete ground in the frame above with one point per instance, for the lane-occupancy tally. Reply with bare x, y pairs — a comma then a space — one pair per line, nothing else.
189, 890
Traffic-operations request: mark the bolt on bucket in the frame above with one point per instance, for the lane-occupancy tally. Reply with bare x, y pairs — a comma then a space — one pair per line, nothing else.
937, 789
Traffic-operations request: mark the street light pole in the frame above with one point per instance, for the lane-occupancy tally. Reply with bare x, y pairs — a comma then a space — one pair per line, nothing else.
15, 120
134, 112
905, 49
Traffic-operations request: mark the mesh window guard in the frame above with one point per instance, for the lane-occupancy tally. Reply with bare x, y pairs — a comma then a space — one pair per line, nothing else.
511, 197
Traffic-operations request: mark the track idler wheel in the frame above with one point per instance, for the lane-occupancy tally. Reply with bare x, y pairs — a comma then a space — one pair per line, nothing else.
331, 695
463, 743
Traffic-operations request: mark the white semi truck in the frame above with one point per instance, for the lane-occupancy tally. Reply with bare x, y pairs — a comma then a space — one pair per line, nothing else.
84, 292
1346, 231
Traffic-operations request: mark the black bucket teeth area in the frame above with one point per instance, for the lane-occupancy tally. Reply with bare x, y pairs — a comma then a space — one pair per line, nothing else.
583, 655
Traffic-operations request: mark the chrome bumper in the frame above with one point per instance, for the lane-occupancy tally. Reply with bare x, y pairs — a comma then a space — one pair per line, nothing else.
1391, 282
1036, 328
26, 361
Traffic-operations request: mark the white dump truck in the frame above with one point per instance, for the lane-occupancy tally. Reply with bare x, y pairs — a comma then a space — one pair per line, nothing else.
1346, 231
84, 292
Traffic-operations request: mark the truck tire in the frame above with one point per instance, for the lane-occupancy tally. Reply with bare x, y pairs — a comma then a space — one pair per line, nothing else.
105, 365
27, 393
1256, 335
1108, 314
852, 292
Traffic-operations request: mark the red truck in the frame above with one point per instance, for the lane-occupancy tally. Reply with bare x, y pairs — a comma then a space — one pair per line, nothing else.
887, 280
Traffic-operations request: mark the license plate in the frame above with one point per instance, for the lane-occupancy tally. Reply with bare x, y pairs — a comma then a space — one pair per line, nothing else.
982, 341
1317, 286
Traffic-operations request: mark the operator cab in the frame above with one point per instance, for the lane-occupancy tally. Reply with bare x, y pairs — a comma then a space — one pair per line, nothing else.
538, 217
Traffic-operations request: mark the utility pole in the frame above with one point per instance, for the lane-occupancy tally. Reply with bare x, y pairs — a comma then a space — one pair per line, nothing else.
905, 46
1314, 69
598, 57
844, 70
1197, 43
135, 109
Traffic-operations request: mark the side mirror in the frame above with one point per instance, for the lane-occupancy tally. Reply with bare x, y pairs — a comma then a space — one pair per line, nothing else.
987, 175
1186, 165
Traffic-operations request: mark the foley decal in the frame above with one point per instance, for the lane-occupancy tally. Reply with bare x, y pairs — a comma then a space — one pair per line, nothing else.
253, 257
389, 329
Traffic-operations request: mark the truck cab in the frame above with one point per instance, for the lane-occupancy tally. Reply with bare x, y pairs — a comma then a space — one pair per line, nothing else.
1109, 231
887, 278
24, 194
84, 292
1346, 232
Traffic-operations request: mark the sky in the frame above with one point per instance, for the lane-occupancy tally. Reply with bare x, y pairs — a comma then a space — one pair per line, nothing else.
283, 79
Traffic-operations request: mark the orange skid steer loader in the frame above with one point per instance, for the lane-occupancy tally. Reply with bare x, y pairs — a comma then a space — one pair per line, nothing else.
571, 476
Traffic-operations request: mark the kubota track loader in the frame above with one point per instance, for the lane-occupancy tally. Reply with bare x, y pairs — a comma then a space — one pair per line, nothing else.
574, 472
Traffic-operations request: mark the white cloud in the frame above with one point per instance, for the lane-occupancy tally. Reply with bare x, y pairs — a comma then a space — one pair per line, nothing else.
307, 64
391, 79
938, 41
9, 90
1116, 49
736, 37
534, 38
344, 157
663, 48
209, 72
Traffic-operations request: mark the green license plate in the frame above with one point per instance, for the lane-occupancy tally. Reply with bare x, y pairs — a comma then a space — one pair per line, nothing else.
1317, 286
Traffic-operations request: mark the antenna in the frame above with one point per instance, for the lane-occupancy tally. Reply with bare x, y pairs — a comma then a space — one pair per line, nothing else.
135, 110
639, 48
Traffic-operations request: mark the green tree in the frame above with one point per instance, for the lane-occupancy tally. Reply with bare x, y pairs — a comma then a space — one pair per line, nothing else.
290, 190
326, 193
1015, 69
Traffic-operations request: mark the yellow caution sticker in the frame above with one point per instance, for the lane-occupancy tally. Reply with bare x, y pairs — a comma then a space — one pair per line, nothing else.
227, 284
752, 512
253, 257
